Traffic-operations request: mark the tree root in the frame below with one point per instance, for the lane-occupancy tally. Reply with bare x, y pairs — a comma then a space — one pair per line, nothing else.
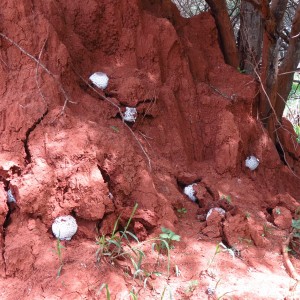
286, 260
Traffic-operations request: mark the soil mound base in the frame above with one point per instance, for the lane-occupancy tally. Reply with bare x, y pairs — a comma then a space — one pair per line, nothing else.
65, 148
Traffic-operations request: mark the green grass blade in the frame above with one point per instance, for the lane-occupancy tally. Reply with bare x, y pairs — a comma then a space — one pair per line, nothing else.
104, 285
168, 251
115, 226
59, 270
131, 216
133, 236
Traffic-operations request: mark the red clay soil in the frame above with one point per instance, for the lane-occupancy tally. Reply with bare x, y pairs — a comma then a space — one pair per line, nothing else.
66, 150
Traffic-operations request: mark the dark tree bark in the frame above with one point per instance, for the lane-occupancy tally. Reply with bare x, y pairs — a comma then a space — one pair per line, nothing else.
272, 17
226, 35
260, 33
288, 66
250, 37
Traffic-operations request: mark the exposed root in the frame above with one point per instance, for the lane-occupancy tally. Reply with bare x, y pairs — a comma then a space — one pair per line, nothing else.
28, 132
286, 260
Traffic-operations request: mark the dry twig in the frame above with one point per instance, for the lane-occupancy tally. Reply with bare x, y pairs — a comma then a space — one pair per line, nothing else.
222, 94
37, 61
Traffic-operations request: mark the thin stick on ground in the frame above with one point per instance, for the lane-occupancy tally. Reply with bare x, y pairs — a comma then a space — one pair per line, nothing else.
67, 100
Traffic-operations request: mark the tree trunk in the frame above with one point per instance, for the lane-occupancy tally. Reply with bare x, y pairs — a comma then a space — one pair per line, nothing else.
226, 35
250, 37
268, 93
288, 66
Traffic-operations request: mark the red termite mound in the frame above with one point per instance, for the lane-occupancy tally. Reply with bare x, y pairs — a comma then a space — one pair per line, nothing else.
66, 150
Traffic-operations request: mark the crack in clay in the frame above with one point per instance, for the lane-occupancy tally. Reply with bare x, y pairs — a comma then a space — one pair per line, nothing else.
3, 249
5, 223
105, 176
28, 157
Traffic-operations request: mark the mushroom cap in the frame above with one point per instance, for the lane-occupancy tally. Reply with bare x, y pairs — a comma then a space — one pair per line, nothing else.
220, 210
130, 114
100, 80
252, 162
64, 227
190, 192
10, 197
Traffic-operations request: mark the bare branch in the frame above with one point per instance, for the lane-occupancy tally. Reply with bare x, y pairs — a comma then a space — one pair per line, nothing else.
256, 3
37, 71
67, 100
295, 36
226, 34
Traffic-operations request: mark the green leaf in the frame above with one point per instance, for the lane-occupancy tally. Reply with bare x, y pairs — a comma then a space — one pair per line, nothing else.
114, 242
133, 295
133, 236
115, 226
115, 128
59, 270
165, 230
296, 224
176, 238
164, 236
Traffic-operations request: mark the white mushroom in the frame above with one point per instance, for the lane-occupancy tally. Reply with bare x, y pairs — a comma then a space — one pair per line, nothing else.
64, 227
190, 192
10, 197
252, 162
100, 80
130, 114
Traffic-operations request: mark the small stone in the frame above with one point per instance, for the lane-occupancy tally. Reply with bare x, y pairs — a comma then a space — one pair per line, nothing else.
213, 231
31, 224
219, 210
145, 216
140, 231
257, 233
